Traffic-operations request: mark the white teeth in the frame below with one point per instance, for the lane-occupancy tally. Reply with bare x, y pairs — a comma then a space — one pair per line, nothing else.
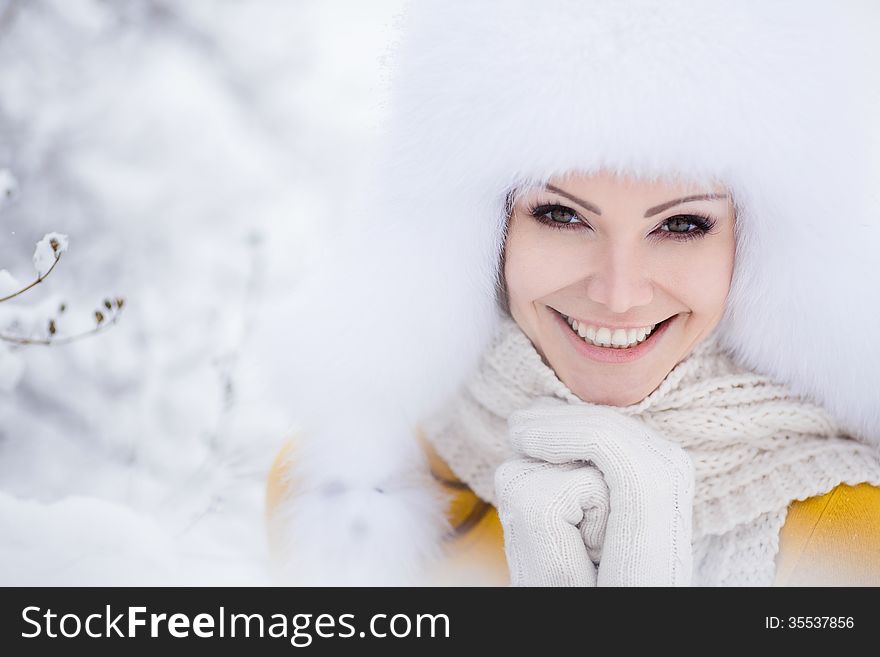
618, 338
605, 337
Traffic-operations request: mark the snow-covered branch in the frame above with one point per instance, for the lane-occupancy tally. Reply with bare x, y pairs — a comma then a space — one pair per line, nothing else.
47, 254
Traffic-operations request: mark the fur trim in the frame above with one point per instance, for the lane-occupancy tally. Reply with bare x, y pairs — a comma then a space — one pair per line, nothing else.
777, 98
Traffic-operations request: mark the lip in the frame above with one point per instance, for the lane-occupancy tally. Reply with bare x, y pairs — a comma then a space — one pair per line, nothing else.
609, 354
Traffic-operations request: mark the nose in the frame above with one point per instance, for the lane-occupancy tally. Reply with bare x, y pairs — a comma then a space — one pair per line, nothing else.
621, 280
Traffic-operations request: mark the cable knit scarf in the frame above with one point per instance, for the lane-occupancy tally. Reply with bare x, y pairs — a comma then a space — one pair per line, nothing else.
756, 446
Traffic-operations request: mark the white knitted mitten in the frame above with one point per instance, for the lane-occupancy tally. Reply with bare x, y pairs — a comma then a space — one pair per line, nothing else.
634, 501
554, 521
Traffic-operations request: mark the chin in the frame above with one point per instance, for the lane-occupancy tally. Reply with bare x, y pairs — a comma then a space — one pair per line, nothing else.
605, 388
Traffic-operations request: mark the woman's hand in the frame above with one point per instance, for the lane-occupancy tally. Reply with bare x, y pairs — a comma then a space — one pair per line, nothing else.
631, 506
554, 521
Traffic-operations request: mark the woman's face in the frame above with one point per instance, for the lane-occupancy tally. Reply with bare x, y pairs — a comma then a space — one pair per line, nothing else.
618, 255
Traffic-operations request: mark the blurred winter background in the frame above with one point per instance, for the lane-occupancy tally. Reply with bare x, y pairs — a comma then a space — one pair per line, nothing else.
193, 153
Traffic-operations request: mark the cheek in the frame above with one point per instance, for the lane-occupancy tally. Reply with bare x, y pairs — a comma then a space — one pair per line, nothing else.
535, 266
701, 276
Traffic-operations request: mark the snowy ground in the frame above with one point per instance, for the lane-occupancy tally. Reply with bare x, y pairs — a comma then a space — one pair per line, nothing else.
192, 153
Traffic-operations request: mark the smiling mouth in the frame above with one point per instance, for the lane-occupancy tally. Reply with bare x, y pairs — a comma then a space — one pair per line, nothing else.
617, 340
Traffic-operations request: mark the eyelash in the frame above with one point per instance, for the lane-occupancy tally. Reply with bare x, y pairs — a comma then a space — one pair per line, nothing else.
704, 223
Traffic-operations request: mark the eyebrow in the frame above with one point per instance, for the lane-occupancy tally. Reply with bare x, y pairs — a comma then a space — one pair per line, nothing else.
650, 212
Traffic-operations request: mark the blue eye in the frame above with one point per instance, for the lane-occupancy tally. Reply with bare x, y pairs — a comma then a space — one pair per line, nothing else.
561, 217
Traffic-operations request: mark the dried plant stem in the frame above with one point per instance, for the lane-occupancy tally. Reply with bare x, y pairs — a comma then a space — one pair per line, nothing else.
39, 280
63, 340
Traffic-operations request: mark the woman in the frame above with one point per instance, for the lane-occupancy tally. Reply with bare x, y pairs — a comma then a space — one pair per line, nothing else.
623, 297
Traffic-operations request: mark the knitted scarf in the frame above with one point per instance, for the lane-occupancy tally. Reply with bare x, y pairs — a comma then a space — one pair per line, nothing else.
756, 446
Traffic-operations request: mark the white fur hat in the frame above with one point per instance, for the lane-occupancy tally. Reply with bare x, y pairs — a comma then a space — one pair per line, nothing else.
777, 98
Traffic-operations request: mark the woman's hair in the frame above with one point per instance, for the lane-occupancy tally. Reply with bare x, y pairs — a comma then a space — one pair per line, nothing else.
501, 294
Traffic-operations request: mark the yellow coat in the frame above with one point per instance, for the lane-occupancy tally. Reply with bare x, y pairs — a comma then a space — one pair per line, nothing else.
827, 540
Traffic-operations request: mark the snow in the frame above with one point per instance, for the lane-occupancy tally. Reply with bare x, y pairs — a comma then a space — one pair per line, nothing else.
8, 284
48, 250
192, 152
